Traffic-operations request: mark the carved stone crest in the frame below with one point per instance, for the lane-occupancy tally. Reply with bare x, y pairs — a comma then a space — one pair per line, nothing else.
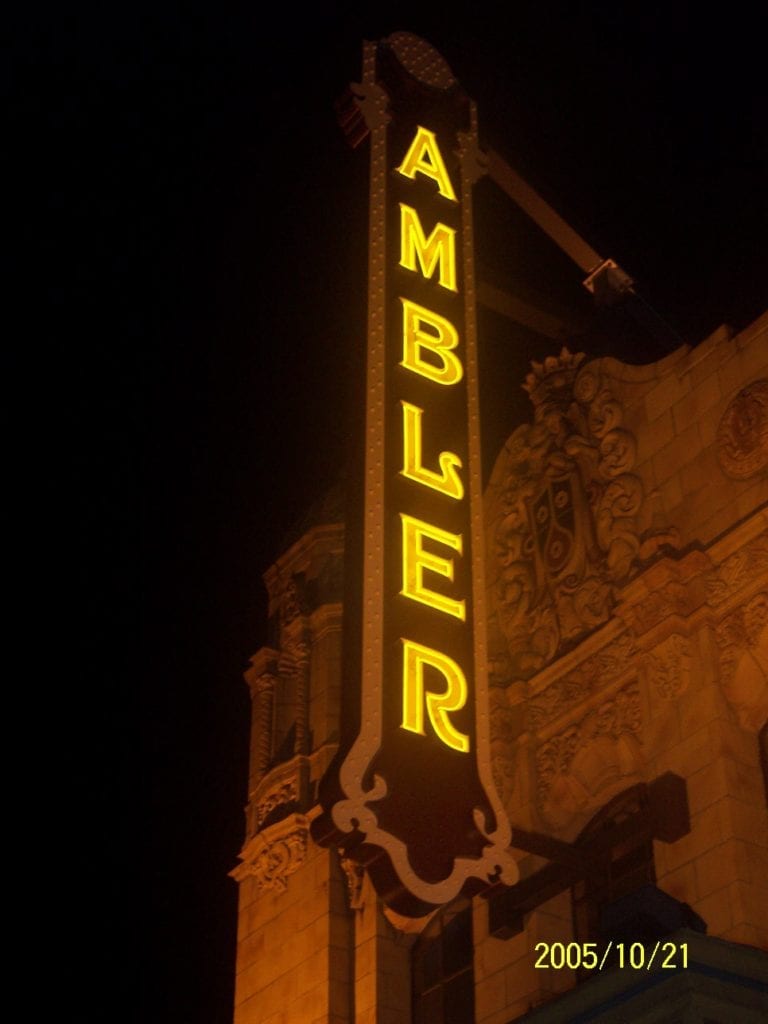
742, 435
567, 519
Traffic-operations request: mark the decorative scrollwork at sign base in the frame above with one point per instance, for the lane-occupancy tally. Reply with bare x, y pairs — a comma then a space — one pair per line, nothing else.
742, 434
275, 854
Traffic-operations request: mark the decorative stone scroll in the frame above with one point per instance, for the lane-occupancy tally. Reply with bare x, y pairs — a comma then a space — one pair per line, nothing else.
275, 854
568, 517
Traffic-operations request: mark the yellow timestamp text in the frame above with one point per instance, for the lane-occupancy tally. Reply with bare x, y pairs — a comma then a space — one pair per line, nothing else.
590, 956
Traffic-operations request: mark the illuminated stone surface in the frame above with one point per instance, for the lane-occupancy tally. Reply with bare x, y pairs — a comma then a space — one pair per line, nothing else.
668, 672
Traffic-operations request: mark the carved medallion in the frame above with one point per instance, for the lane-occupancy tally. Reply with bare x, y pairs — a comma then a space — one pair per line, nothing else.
742, 436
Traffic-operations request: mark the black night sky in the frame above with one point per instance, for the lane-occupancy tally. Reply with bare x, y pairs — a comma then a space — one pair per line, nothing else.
205, 230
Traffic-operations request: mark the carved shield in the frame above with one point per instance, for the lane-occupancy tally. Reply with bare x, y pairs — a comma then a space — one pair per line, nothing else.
553, 525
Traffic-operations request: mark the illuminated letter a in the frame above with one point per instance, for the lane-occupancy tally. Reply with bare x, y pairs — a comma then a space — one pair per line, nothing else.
424, 157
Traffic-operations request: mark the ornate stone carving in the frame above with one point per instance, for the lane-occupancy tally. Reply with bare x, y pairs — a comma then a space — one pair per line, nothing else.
293, 601
262, 696
669, 666
569, 515
662, 604
285, 792
742, 638
354, 874
742, 435
601, 669
275, 854
737, 570
620, 714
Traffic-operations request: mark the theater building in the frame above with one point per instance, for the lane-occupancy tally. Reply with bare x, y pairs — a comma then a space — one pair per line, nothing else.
508, 756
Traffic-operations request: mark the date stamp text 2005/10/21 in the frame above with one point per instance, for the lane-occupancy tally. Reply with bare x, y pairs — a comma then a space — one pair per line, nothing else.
635, 955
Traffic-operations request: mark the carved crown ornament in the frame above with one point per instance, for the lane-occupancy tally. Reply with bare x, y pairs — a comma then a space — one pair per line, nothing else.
568, 518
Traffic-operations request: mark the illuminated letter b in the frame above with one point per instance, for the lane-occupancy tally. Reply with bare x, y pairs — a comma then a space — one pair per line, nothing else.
447, 368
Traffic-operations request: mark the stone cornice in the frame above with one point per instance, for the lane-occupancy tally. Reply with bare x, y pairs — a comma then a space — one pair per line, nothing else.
326, 619
315, 544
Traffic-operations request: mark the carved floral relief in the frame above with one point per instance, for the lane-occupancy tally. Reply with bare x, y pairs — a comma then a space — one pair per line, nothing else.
577, 767
669, 667
742, 639
738, 570
608, 664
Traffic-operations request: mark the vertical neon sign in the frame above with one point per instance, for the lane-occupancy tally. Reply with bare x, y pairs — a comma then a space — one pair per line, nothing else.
413, 793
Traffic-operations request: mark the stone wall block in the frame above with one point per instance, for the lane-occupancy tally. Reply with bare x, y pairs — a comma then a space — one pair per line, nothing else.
666, 393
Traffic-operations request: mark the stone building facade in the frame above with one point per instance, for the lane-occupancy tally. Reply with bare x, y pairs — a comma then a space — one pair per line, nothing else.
627, 572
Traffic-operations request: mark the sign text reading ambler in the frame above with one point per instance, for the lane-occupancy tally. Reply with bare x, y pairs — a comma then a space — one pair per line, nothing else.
413, 797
